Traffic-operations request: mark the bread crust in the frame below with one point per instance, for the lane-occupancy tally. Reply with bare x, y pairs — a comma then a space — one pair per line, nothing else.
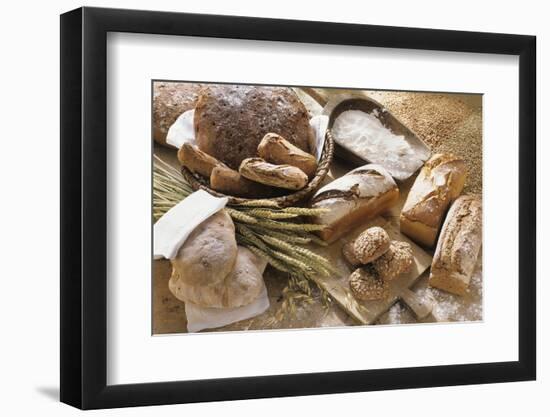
170, 100
209, 253
438, 184
228, 181
281, 176
458, 246
361, 194
231, 120
277, 150
240, 287
198, 161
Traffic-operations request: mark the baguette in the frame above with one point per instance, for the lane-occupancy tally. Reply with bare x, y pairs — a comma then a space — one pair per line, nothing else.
439, 182
277, 150
361, 194
458, 246
230, 182
198, 161
281, 176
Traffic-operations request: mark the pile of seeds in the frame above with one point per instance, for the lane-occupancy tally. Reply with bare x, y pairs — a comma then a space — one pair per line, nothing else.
445, 122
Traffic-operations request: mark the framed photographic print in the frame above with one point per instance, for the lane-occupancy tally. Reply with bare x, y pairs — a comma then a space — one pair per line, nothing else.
258, 208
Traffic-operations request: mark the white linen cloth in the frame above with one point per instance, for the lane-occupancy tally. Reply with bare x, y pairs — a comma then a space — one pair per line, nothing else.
182, 131
172, 229
200, 318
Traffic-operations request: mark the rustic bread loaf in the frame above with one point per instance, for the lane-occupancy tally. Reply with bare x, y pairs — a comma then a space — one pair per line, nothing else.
281, 176
197, 161
277, 150
170, 100
209, 253
231, 120
439, 182
361, 194
458, 246
240, 287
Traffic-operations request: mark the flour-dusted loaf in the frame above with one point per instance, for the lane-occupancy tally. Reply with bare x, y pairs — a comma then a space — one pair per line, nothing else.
458, 246
280, 176
209, 253
170, 100
240, 287
361, 194
439, 182
231, 120
277, 150
198, 161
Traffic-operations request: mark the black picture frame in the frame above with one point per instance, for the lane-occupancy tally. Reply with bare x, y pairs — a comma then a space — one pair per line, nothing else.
83, 207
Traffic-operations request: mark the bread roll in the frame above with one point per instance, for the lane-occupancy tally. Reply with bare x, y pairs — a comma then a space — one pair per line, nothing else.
240, 287
277, 150
353, 198
231, 120
197, 161
209, 253
439, 182
170, 100
368, 246
366, 285
397, 260
230, 182
458, 246
281, 176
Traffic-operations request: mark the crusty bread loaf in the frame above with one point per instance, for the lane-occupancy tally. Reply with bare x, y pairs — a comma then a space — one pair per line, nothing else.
361, 194
439, 182
231, 120
281, 176
197, 161
240, 287
458, 246
209, 253
170, 100
277, 150
228, 181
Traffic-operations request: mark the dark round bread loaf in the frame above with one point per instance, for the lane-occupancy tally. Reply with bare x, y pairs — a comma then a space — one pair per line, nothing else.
170, 100
231, 120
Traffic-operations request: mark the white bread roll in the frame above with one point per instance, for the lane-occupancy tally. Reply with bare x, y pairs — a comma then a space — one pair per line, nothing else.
353, 198
240, 287
458, 246
439, 182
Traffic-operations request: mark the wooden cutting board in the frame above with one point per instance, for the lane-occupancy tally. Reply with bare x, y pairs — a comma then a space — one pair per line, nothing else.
367, 312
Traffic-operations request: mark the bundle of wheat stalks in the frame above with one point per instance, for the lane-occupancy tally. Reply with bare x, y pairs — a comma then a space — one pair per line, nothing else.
277, 234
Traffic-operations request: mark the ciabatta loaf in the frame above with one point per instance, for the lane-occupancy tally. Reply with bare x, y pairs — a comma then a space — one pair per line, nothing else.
361, 194
458, 246
240, 287
439, 182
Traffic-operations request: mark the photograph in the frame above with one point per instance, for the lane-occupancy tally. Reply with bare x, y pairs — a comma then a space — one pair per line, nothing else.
299, 207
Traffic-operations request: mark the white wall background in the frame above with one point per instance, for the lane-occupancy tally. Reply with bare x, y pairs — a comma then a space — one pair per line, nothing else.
29, 175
